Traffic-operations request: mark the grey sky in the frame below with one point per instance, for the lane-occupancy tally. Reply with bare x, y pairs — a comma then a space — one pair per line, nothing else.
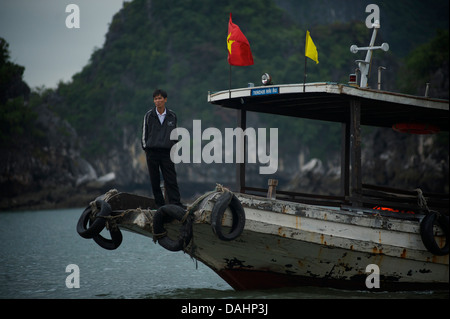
40, 41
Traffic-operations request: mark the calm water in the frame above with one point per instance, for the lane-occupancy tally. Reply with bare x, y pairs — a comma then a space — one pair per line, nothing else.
36, 247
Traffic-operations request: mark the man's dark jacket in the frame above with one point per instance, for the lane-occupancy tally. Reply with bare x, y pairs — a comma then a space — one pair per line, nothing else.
156, 135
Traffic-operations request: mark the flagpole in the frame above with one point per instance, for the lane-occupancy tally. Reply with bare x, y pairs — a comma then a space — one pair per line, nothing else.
304, 76
229, 84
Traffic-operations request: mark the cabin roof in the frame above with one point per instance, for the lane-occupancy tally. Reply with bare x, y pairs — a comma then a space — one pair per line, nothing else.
331, 102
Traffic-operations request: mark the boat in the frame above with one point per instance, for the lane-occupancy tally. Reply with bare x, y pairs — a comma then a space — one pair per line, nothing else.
368, 237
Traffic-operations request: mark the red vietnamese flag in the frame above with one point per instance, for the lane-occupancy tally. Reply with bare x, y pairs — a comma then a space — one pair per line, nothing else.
238, 47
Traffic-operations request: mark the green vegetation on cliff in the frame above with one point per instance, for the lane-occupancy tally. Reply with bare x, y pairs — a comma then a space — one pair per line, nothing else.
16, 116
180, 46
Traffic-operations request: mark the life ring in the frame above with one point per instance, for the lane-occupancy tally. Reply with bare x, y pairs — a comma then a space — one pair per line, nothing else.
427, 232
228, 199
166, 214
415, 128
98, 224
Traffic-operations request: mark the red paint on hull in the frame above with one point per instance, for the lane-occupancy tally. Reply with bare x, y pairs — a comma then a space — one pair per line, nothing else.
255, 280
241, 279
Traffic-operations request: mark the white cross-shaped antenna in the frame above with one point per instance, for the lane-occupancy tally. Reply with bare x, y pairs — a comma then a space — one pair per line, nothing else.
364, 65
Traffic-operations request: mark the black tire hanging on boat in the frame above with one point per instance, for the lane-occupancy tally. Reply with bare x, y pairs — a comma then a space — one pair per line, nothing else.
427, 232
166, 214
228, 199
98, 224
110, 244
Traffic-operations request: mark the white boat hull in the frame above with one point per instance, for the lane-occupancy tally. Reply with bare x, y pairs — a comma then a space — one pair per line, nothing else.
290, 244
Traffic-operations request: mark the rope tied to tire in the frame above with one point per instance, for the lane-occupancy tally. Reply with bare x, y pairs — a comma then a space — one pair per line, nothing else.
168, 213
94, 219
421, 201
427, 224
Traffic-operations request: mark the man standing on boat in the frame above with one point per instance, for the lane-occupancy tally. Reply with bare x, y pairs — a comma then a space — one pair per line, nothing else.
158, 124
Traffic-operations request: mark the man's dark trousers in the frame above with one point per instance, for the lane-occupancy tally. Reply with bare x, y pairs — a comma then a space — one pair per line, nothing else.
160, 158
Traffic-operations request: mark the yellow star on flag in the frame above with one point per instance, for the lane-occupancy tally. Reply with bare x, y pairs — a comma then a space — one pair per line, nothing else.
229, 43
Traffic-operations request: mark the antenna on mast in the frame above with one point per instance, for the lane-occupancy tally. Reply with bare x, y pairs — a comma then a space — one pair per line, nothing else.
364, 65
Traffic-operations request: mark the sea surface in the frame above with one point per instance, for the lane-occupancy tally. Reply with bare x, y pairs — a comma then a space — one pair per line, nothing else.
38, 251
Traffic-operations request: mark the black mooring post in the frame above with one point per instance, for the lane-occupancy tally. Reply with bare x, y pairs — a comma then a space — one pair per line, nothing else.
345, 160
240, 167
355, 152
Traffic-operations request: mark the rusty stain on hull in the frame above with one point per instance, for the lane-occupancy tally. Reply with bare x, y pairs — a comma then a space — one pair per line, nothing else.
403, 255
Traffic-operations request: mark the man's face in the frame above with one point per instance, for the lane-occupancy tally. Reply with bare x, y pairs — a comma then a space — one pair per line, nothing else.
159, 101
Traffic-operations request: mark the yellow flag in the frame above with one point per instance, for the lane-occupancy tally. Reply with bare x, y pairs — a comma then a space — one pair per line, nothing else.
310, 49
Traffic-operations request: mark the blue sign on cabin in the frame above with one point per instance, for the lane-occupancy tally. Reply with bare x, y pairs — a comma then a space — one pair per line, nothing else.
265, 91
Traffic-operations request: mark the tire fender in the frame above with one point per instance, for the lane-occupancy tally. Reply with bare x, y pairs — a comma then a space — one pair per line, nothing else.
98, 224
110, 244
228, 199
427, 232
166, 214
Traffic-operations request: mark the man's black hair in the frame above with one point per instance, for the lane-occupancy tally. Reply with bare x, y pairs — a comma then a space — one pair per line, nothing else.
160, 92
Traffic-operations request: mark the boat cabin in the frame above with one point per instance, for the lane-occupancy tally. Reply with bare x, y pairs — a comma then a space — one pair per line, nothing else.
352, 106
